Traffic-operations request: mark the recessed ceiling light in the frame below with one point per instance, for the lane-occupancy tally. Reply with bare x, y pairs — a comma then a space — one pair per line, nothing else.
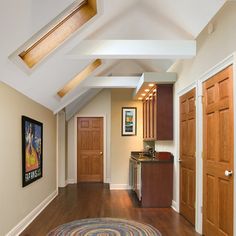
154, 90
150, 85
143, 94
146, 90
140, 98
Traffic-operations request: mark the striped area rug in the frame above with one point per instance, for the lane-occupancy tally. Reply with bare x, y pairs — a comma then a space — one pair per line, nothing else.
104, 227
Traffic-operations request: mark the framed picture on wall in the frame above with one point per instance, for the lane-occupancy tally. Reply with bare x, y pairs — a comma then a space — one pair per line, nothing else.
129, 120
32, 150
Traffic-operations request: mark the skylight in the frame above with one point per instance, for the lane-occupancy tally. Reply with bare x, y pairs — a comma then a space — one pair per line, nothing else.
79, 78
58, 33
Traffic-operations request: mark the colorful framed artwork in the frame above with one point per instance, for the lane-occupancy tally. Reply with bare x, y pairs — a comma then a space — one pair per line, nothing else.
32, 150
129, 120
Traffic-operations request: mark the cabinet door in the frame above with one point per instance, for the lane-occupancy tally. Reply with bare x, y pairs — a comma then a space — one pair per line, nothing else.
165, 112
154, 114
144, 119
151, 122
148, 119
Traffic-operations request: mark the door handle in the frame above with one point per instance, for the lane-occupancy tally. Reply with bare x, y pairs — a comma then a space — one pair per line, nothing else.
180, 160
101, 153
228, 173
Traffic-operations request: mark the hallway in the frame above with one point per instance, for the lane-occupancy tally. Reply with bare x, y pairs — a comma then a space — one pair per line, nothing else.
96, 200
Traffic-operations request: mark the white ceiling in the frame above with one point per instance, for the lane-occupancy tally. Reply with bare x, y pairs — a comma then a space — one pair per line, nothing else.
133, 19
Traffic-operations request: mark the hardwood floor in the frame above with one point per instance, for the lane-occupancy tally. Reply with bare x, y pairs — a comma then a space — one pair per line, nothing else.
96, 200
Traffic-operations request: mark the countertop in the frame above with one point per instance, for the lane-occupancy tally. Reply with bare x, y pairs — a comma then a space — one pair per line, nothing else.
141, 157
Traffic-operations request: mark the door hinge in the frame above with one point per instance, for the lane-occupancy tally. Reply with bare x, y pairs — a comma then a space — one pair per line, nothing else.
202, 98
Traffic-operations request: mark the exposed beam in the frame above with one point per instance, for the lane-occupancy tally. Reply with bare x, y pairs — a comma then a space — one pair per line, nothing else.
153, 78
134, 49
111, 82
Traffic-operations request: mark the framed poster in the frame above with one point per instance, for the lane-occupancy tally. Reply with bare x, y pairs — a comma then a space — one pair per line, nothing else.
129, 119
32, 150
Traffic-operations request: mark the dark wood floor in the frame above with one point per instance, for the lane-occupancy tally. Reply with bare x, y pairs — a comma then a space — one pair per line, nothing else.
96, 200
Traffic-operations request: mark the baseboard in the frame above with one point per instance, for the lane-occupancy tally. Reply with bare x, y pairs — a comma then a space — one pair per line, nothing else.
70, 181
107, 181
174, 206
120, 187
32, 215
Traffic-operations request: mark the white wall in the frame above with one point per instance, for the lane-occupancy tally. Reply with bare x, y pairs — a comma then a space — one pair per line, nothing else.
61, 136
211, 49
99, 106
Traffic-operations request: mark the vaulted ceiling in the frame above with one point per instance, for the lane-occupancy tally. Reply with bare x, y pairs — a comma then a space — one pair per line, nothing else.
142, 20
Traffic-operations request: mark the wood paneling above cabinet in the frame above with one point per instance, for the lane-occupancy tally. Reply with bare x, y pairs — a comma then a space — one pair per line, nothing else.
158, 113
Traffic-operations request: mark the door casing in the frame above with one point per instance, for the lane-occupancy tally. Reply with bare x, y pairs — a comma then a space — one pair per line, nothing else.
230, 60
106, 178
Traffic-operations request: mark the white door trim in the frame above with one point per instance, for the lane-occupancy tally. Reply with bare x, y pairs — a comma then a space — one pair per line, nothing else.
105, 156
230, 60
179, 94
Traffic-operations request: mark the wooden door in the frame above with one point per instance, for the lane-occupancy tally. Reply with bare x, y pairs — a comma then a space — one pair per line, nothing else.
187, 155
218, 154
90, 150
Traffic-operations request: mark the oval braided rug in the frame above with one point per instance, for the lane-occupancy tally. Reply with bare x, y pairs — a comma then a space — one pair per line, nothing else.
104, 227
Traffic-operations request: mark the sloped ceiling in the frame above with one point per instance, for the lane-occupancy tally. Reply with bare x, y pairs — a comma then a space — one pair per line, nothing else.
143, 19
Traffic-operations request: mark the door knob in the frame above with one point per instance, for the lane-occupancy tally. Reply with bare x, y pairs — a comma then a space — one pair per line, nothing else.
101, 153
179, 160
228, 173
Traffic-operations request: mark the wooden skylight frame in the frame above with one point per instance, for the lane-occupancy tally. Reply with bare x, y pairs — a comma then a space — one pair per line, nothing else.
79, 78
58, 33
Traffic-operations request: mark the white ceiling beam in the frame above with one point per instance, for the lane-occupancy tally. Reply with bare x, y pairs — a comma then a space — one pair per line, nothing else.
111, 82
134, 49
156, 78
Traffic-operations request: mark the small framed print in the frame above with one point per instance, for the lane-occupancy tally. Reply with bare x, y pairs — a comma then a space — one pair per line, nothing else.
32, 150
129, 118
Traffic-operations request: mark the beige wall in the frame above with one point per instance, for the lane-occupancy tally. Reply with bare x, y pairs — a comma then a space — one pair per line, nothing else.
17, 202
118, 148
100, 105
121, 146
61, 140
211, 49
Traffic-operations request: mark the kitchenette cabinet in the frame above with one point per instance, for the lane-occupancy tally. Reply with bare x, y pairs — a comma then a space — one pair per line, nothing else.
152, 181
158, 113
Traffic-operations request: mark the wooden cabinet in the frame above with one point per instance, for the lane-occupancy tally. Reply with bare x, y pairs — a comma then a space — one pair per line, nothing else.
157, 184
158, 113
152, 181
